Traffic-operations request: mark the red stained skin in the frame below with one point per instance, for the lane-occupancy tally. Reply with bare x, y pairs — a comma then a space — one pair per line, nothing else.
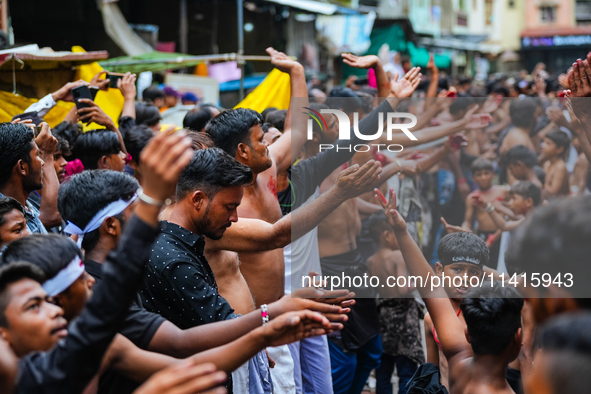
272, 185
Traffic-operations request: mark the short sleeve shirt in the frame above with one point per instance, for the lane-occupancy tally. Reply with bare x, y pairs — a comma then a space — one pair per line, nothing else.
179, 283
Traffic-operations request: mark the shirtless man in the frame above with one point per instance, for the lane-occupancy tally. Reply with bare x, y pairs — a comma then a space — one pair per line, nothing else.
239, 133
522, 114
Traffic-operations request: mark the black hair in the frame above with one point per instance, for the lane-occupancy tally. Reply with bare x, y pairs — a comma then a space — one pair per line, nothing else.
277, 119
50, 252
147, 114
12, 273
197, 118
520, 153
136, 138
493, 316
211, 170
555, 239
151, 93
482, 165
63, 146
267, 111
522, 112
85, 194
345, 98
367, 101
540, 173
16, 143
68, 132
561, 139
377, 224
93, 145
462, 247
460, 104
7, 205
200, 140
567, 343
503, 91
318, 107
526, 189
233, 127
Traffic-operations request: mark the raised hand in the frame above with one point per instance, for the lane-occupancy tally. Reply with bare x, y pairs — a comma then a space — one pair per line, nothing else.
431, 67
491, 104
360, 61
294, 326
186, 377
394, 217
282, 62
46, 142
102, 84
450, 228
95, 114
476, 121
65, 92
162, 161
354, 181
410, 167
407, 85
580, 87
127, 86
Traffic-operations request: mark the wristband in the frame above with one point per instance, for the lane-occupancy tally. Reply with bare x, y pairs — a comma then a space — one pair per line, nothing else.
152, 201
462, 180
265, 314
399, 164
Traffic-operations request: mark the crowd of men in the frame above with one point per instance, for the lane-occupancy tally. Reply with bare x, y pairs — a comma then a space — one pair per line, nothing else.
147, 259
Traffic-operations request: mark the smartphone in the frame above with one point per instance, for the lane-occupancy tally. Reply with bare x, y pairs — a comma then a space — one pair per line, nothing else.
361, 81
113, 78
81, 92
37, 130
93, 91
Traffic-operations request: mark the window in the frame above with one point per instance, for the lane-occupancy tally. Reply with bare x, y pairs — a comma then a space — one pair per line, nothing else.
548, 14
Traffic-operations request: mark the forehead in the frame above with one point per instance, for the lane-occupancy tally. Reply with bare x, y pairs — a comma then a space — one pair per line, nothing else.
13, 216
23, 290
256, 132
464, 266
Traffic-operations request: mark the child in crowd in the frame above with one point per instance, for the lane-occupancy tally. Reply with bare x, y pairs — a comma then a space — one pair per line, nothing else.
478, 357
482, 224
399, 315
13, 224
555, 148
525, 196
521, 163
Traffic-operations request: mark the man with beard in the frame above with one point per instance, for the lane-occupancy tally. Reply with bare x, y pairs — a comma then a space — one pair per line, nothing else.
23, 170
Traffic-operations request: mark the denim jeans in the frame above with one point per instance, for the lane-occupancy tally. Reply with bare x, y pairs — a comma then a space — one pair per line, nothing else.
405, 368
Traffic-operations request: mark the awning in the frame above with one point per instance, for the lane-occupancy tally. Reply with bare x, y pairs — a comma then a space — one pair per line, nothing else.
462, 43
160, 61
317, 7
34, 58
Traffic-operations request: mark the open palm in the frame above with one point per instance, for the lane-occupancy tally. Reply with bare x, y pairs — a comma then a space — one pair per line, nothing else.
281, 61
360, 61
407, 85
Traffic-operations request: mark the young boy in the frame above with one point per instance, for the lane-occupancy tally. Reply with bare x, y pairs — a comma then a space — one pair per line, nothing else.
521, 163
555, 147
479, 356
475, 254
482, 174
13, 224
399, 316
525, 196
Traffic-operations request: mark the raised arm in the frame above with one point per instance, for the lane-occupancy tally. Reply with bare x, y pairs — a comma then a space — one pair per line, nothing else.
252, 235
127, 87
94, 113
48, 212
434, 75
291, 140
449, 328
370, 61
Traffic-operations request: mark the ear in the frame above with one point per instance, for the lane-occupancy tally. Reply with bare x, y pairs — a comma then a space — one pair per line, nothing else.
438, 268
112, 226
468, 334
22, 167
530, 202
198, 199
104, 163
518, 336
243, 152
316, 137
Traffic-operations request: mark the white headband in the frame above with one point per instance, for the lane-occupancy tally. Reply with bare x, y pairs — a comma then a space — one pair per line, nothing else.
114, 208
64, 278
